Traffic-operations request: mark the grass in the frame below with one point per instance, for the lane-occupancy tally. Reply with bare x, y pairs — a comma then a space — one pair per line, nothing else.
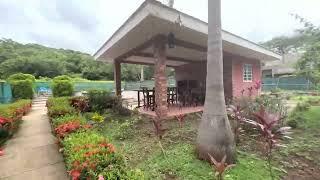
305, 145
178, 161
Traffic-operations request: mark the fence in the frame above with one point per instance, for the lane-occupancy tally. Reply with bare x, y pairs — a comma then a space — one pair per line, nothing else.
286, 83
149, 84
5, 92
80, 86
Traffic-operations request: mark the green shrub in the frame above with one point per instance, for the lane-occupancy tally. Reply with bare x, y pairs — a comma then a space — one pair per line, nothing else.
276, 90
97, 118
22, 89
22, 85
21, 76
292, 123
99, 100
89, 154
314, 101
59, 107
302, 106
62, 86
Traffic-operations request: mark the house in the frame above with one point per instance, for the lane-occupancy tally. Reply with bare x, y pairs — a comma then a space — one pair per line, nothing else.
158, 35
284, 67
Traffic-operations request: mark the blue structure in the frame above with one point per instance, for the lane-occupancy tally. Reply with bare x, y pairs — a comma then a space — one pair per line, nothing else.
5, 92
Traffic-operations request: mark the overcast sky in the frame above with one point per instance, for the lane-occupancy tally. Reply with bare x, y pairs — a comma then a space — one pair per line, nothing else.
85, 24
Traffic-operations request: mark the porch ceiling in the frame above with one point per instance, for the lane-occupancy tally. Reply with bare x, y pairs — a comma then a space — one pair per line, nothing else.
132, 43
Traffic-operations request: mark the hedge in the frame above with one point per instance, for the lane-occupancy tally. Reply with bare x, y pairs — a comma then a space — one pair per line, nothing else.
11, 116
62, 86
87, 153
22, 85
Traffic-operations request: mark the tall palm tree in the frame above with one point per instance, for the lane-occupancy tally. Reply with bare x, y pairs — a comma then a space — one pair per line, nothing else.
215, 136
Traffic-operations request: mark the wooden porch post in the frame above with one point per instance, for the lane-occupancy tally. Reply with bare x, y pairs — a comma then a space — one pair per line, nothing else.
159, 49
117, 77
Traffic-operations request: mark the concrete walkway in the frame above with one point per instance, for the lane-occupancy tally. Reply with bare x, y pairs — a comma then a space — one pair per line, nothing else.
32, 153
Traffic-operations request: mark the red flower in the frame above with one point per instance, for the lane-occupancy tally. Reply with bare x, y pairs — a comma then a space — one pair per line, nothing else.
1, 152
3, 120
75, 174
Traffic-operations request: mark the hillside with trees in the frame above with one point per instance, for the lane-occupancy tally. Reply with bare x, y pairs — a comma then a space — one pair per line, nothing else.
42, 61
306, 42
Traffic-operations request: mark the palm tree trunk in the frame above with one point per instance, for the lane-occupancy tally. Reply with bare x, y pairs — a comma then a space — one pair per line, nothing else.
214, 134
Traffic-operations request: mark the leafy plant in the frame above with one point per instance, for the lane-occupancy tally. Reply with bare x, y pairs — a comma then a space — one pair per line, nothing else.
270, 130
97, 118
237, 114
22, 85
80, 103
304, 106
59, 107
100, 100
220, 167
89, 155
62, 86
68, 118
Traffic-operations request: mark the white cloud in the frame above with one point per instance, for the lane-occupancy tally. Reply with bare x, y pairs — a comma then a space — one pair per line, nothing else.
85, 25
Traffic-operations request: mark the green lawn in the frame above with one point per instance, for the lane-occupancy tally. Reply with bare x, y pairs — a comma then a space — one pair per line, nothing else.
178, 160
135, 138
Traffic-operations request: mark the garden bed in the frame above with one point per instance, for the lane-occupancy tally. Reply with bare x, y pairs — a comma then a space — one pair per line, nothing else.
133, 150
10, 118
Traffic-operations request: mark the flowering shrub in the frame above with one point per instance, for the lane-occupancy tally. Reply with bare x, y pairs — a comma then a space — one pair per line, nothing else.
90, 156
10, 117
68, 118
67, 128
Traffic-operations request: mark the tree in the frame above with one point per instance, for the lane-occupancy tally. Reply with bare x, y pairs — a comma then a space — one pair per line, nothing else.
214, 134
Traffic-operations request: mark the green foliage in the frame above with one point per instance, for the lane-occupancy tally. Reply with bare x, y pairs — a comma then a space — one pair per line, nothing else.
21, 76
42, 61
97, 118
93, 149
126, 129
10, 117
181, 163
100, 100
293, 123
22, 89
302, 106
68, 118
22, 85
59, 107
62, 86
276, 90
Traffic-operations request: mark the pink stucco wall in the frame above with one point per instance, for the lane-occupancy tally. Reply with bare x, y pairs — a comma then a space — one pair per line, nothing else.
237, 73
233, 74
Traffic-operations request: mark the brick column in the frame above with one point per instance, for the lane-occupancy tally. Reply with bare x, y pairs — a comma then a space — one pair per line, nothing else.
159, 49
117, 77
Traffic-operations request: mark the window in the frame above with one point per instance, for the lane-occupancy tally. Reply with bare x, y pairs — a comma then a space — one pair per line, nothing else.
247, 72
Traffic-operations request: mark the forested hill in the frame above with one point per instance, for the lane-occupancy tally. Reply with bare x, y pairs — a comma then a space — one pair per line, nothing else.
43, 61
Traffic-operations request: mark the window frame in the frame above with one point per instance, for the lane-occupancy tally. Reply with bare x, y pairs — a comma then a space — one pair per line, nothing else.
246, 71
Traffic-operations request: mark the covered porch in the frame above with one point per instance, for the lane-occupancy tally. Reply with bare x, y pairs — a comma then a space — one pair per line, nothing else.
164, 37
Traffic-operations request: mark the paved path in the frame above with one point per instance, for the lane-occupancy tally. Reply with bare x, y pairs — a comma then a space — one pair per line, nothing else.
32, 153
